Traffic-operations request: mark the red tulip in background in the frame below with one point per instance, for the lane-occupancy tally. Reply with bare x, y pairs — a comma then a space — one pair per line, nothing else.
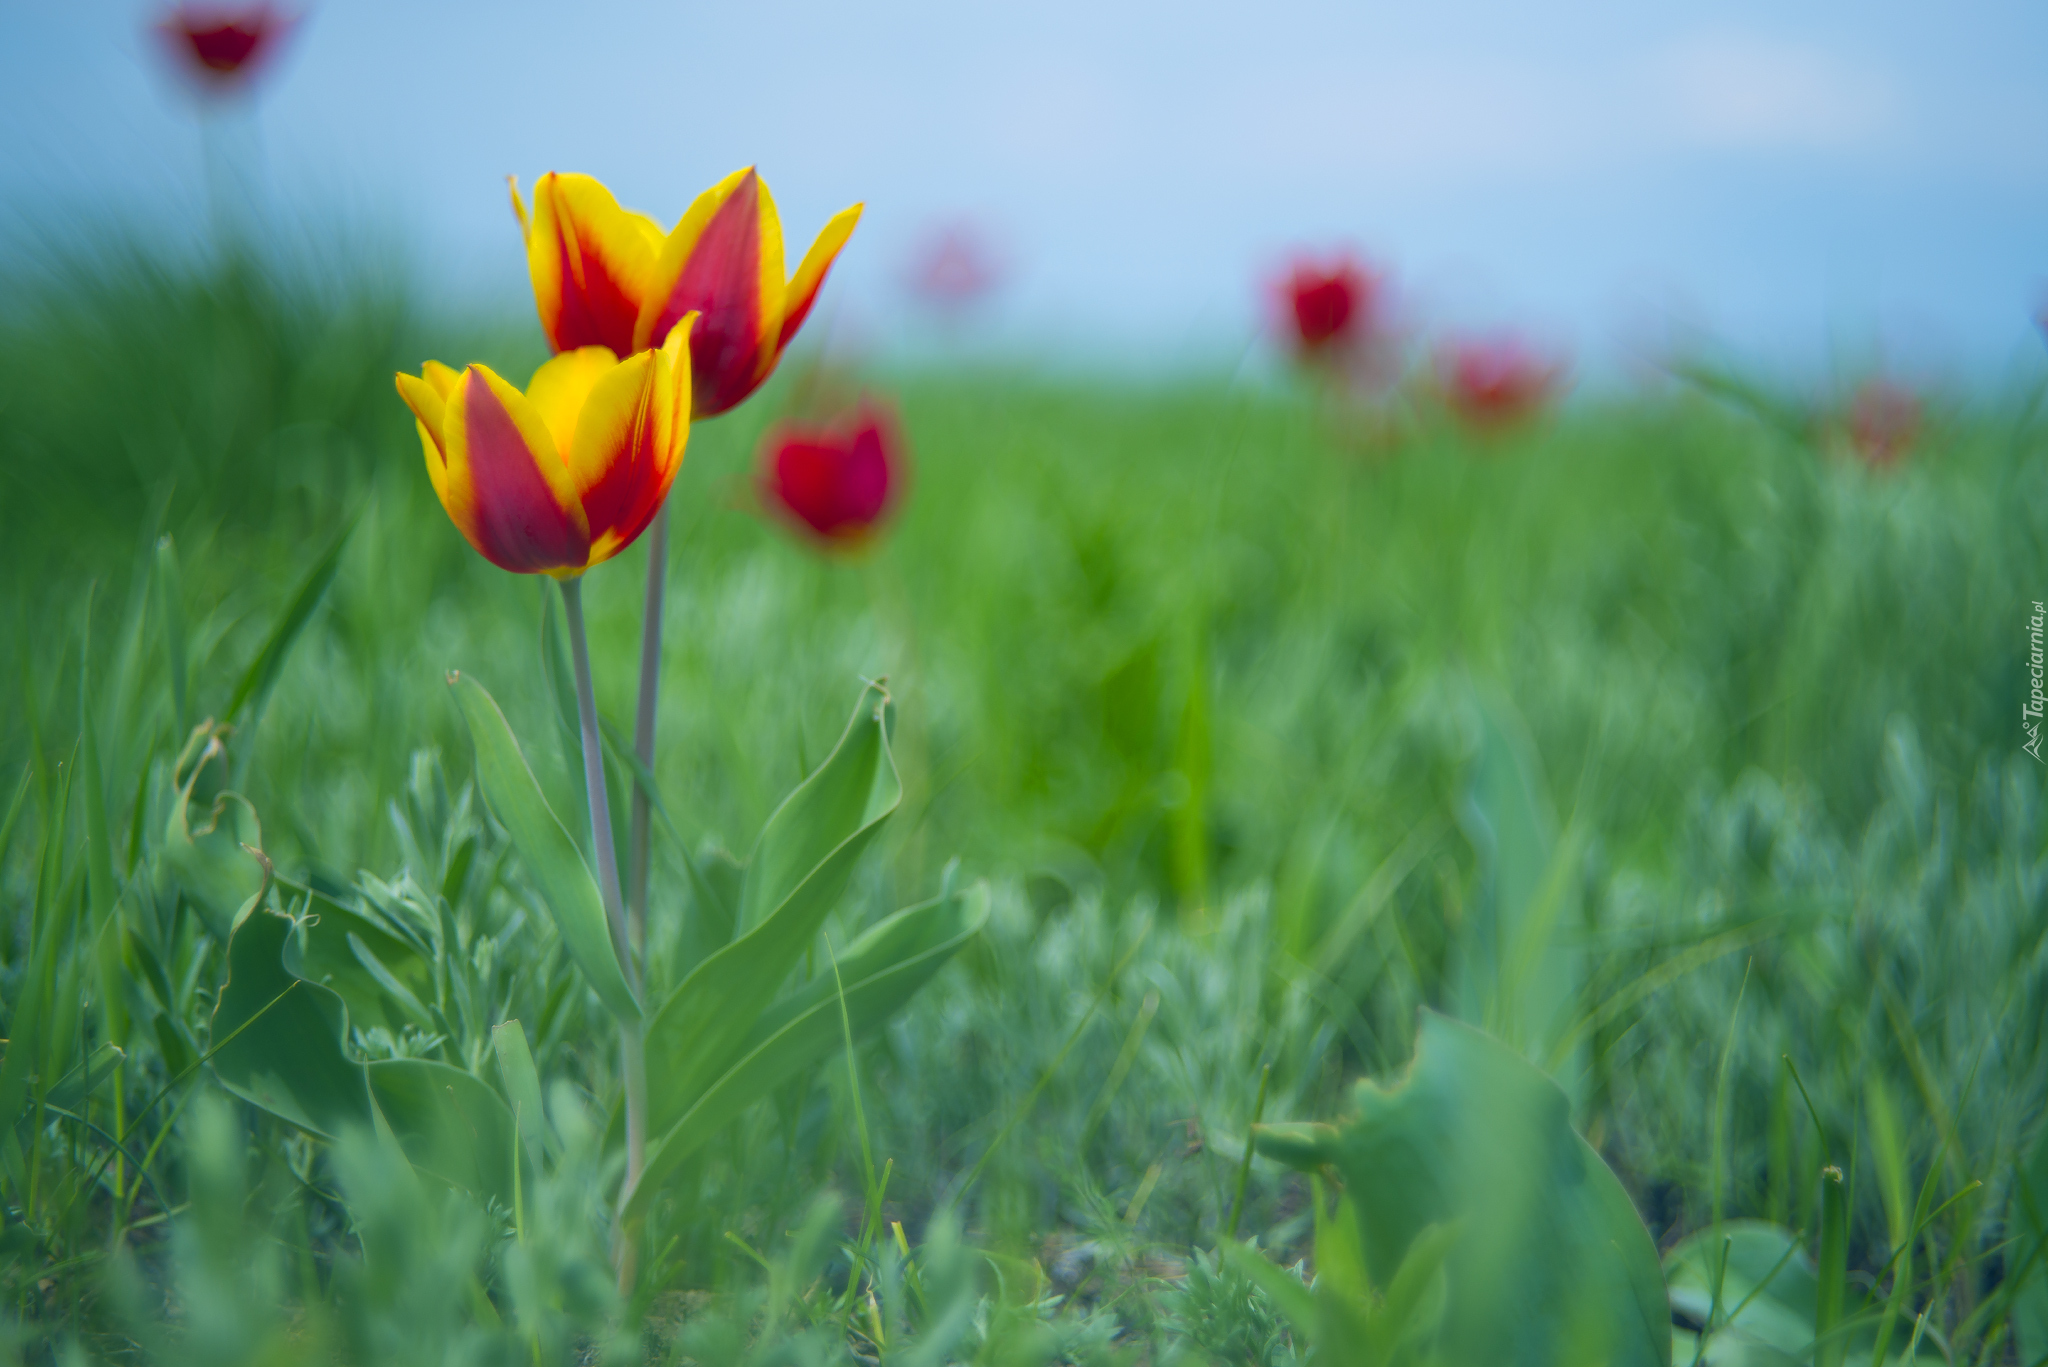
1492, 381
953, 267
1329, 306
1884, 422
224, 45
836, 482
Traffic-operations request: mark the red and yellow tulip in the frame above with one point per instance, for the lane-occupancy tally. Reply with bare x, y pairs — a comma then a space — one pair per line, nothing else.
568, 473
606, 276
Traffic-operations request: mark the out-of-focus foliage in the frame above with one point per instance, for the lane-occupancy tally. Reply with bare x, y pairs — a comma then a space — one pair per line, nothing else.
1474, 1224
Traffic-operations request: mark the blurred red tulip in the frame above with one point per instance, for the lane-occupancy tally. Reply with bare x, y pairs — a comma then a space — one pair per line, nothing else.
1496, 380
1883, 422
1330, 306
836, 482
953, 267
224, 45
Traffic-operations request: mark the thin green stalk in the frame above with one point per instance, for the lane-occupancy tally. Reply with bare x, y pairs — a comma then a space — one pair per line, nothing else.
632, 1061
1718, 1173
643, 726
1834, 1270
1244, 1168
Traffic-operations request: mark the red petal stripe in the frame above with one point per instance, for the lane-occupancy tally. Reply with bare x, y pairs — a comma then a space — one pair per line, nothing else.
722, 281
519, 525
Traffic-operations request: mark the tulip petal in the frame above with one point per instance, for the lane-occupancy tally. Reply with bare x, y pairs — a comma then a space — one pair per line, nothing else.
429, 403
521, 509
427, 395
723, 261
629, 443
656, 317
803, 286
519, 209
590, 261
865, 478
560, 387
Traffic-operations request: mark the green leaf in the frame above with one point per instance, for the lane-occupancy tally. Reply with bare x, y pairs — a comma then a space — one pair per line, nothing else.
1550, 1263
178, 1051
1285, 1289
450, 1123
171, 604
880, 971
715, 879
1518, 981
551, 856
380, 977
211, 863
522, 1085
83, 1080
1769, 1293
262, 673
806, 851
800, 867
292, 1063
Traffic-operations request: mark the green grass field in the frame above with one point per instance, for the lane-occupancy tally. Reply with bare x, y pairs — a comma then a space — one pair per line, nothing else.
1657, 738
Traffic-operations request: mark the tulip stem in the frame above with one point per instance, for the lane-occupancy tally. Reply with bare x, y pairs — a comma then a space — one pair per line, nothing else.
643, 727
632, 1061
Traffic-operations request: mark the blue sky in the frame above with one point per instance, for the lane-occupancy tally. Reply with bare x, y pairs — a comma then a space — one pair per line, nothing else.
1821, 184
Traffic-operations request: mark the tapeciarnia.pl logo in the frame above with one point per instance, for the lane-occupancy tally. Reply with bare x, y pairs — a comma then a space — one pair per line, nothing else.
2030, 715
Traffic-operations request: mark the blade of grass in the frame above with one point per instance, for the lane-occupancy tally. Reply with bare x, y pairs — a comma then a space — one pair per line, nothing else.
1244, 1166
262, 674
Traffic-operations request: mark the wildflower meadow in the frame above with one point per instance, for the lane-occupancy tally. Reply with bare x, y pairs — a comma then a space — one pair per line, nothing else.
604, 828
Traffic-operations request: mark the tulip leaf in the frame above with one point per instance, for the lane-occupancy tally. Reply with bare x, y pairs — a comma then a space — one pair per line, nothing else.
1754, 1287
263, 671
807, 849
291, 1063
1548, 1261
800, 867
551, 855
450, 1123
212, 862
522, 1086
1518, 979
380, 977
879, 971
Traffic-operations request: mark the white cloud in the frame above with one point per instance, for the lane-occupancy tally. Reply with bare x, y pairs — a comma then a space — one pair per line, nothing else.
1743, 90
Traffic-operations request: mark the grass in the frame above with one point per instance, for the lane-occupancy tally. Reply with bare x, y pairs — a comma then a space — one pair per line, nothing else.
1201, 677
